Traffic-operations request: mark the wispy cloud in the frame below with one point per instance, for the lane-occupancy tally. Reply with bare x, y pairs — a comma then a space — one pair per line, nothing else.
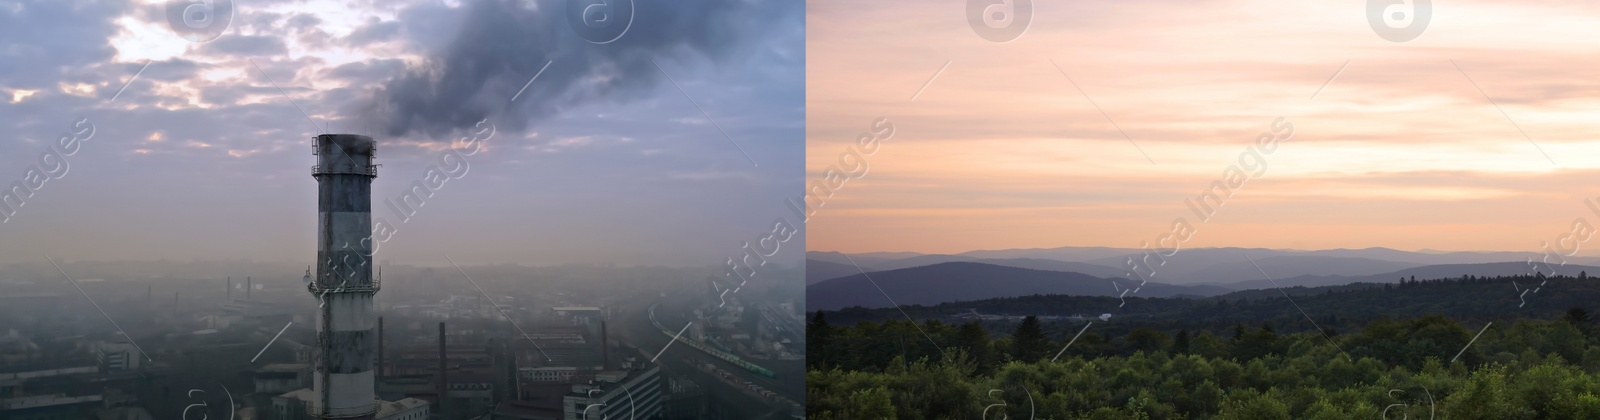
1003, 153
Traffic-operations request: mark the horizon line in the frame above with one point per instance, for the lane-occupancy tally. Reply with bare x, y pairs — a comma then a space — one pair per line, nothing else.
1419, 251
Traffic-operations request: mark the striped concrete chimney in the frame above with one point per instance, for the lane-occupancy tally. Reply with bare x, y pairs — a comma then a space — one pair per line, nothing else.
344, 383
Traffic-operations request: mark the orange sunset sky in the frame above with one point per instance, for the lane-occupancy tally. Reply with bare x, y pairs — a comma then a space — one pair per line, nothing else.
1400, 150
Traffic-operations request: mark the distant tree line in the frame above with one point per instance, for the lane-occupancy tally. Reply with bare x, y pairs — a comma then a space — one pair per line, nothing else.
1225, 358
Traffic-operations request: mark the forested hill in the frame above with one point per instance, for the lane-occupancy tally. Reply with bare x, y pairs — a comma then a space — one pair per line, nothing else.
1467, 299
1463, 348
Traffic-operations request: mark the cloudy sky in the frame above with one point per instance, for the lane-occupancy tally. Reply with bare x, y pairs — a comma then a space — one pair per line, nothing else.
1401, 149
606, 156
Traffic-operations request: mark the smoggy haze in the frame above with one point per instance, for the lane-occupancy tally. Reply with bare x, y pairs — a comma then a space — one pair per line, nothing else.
1399, 150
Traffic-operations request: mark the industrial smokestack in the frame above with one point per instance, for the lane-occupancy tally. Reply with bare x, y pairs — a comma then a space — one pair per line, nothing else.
378, 377
494, 366
344, 383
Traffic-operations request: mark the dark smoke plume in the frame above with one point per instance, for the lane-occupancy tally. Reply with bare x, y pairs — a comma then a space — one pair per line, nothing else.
503, 43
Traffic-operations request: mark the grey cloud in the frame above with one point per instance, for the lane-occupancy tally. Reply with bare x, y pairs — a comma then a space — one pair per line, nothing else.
314, 36
172, 70
258, 22
301, 21
245, 45
57, 35
366, 70
228, 94
500, 45
287, 73
428, 26
375, 31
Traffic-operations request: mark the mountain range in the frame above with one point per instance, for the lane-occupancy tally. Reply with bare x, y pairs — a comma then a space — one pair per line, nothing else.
836, 280
953, 281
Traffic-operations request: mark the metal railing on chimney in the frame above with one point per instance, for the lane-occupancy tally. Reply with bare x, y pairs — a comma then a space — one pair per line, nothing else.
371, 170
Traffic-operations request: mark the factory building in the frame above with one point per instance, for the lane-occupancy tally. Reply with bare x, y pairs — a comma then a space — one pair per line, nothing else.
634, 393
294, 405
